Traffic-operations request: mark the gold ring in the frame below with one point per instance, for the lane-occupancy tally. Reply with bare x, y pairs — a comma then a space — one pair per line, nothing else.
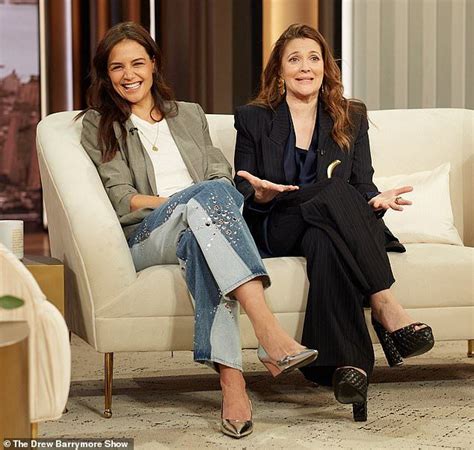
397, 199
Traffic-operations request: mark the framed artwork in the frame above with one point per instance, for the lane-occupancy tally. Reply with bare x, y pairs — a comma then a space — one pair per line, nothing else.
20, 187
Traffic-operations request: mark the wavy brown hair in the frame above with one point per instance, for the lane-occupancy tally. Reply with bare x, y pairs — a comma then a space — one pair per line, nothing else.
102, 97
331, 92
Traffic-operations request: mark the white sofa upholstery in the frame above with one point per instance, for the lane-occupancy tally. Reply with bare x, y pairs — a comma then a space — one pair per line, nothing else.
49, 354
116, 309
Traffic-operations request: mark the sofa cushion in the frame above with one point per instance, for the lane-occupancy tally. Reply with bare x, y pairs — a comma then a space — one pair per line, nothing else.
160, 290
430, 218
434, 275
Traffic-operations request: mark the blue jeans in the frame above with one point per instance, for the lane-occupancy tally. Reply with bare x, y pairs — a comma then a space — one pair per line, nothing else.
202, 229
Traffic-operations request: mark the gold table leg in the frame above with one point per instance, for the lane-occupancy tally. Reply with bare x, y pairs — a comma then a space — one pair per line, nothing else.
470, 348
109, 372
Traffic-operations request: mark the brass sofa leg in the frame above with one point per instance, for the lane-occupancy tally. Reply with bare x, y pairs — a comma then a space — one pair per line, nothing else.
109, 372
34, 430
470, 348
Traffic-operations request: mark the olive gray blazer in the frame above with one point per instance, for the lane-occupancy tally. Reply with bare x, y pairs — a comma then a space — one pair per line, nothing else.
131, 172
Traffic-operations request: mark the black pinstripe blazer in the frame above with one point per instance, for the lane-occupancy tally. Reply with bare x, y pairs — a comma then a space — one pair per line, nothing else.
261, 140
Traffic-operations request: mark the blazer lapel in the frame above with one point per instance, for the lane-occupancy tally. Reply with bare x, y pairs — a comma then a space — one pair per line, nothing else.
327, 151
187, 148
273, 145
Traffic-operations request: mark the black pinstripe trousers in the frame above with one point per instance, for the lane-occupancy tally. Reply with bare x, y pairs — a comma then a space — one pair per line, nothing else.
331, 224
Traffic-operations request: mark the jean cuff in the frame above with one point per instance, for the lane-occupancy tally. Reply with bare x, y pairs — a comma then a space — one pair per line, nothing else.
266, 282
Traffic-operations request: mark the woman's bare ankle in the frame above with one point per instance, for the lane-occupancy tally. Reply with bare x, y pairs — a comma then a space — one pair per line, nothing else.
231, 378
235, 401
388, 311
278, 343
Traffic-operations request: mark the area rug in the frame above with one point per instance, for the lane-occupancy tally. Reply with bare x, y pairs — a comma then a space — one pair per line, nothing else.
165, 400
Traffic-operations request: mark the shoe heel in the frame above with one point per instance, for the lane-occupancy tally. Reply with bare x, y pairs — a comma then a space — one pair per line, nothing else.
359, 412
394, 358
274, 370
267, 362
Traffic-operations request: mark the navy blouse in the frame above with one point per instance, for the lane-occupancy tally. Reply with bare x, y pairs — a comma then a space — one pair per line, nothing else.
299, 164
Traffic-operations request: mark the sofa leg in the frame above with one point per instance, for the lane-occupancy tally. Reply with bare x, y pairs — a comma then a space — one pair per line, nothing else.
470, 348
34, 430
109, 373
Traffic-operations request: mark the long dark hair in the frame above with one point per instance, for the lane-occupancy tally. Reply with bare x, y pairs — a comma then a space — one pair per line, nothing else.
331, 92
102, 97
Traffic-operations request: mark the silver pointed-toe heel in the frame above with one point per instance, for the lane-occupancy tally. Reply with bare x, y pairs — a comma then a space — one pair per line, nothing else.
236, 428
288, 363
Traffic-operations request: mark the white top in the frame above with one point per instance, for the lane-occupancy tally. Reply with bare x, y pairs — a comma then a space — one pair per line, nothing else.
171, 174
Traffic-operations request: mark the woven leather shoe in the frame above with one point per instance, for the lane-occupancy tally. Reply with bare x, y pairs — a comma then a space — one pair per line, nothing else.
350, 386
412, 340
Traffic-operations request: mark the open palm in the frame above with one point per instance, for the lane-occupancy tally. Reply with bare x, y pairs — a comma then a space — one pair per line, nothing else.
265, 191
391, 199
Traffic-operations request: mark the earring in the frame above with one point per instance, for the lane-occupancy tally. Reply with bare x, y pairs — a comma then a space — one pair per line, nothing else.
281, 86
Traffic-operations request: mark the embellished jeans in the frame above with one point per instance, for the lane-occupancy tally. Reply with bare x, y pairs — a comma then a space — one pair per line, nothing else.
202, 229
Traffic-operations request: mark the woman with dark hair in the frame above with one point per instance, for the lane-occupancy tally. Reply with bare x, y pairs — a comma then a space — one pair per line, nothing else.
174, 196
290, 139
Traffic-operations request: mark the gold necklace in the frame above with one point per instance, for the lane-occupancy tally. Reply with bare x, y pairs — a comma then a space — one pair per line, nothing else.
153, 144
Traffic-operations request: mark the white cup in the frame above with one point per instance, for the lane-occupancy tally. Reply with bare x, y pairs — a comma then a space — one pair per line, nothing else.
11, 236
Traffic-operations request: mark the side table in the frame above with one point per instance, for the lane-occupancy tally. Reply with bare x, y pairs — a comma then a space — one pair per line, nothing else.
49, 274
14, 395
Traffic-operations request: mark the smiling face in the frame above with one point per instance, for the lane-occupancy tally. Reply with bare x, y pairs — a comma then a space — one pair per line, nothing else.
302, 68
130, 70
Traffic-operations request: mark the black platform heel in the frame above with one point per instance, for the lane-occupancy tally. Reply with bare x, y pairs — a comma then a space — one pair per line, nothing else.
404, 342
350, 386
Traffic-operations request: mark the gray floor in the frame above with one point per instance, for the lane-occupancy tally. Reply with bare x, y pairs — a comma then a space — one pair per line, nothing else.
165, 402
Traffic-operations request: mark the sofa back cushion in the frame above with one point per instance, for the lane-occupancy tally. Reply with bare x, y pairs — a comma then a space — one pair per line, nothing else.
407, 141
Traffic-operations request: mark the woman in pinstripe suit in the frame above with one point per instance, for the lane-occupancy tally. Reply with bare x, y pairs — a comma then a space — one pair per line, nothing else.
299, 125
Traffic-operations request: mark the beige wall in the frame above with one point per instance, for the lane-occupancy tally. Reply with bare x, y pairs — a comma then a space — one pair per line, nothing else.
279, 14
413, 53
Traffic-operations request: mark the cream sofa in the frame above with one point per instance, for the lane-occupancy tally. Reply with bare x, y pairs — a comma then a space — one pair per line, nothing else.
115, 309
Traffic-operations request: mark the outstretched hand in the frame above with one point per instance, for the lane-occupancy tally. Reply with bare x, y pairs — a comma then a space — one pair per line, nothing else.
265, 191
391, 199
